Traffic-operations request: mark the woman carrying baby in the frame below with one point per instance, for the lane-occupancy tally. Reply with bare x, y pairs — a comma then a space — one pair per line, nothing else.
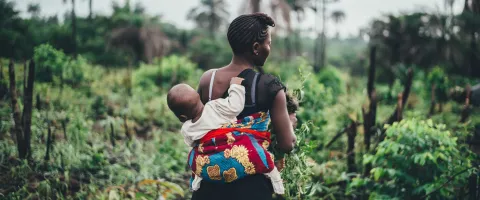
265, 103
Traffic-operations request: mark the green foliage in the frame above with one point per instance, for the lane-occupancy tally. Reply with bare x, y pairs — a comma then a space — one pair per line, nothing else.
438, 78
210, 53
54, 66
415, 159
298, 172
331, 77
49, 63
165, 73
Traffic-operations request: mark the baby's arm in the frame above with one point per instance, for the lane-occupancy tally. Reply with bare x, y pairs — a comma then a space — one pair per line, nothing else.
233, 105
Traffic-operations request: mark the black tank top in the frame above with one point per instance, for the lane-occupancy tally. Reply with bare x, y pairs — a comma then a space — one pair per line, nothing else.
260, 91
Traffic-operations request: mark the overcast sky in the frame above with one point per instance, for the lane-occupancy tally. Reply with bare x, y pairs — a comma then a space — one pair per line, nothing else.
358, 12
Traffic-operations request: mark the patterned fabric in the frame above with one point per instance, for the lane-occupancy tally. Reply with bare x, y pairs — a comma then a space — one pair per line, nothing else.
233, 151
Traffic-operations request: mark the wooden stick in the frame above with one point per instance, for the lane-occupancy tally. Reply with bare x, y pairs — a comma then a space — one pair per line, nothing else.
49, 143
112, 134
64, 127
27, 109
351, 133
16, 111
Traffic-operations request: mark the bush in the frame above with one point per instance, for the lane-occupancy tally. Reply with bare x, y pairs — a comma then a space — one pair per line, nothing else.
49, 63
210, 53
439, 78
415, 159
331, 77
169, 71
53, 65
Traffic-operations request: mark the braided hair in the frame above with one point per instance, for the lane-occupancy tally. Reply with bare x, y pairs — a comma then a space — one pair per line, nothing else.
247, 29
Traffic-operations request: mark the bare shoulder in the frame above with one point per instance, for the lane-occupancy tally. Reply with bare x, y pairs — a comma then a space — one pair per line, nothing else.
205, 79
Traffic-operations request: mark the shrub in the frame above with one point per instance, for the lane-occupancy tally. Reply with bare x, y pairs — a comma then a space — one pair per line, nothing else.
49, 62
331, 77
439, 78
53, 65
169, 71
416, 158
210, 53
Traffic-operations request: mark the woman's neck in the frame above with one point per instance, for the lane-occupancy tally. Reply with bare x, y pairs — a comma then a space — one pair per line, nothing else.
241, 62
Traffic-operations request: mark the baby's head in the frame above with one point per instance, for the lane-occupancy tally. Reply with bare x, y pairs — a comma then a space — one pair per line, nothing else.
184, 102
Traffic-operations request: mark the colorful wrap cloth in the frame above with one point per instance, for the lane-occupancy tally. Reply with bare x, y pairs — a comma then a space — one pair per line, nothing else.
233, 151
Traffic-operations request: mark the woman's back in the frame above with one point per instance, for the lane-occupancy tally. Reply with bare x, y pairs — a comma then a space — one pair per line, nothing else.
260, 89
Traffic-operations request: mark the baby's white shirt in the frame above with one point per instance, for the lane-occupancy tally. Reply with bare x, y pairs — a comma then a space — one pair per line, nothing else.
216, 114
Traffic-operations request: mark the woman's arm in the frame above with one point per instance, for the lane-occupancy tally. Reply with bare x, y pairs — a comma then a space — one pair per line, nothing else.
281, 124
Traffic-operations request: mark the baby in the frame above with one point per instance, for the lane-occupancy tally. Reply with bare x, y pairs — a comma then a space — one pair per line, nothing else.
199, 119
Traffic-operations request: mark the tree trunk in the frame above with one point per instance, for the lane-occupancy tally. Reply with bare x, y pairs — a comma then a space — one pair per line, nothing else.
323, 57
212, 23
27, 109
351, 133
3, 84
465, 6
16, 112
298, 43
255, 6
74, 30
371, 72
90, 9
369, 118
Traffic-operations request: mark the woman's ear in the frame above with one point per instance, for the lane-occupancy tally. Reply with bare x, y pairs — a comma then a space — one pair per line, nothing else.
256, 47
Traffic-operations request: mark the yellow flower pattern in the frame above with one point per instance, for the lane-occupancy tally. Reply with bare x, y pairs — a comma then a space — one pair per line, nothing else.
200, 162
241, 154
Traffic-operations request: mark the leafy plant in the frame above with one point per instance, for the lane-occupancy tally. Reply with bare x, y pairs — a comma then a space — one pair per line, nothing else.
297, 175
416, 160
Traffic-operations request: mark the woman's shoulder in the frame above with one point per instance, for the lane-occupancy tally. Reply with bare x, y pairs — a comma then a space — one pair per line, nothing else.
271, 81
205, 78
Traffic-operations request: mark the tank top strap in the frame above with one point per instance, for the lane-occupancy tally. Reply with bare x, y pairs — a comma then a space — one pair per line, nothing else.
211, 85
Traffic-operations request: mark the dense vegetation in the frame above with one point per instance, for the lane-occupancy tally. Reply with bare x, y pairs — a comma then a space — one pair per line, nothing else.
396, 126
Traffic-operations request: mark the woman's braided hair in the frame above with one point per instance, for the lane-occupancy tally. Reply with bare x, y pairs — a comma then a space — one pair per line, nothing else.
247, 29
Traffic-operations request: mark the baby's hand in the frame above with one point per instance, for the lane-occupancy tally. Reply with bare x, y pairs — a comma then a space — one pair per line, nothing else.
236, 80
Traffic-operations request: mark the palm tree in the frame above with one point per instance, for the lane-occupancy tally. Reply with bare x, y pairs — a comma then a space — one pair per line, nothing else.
33, 9
210, 14
320, 60
338, 17
74, 28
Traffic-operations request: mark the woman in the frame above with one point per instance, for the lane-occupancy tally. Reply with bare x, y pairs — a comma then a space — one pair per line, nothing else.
250, 42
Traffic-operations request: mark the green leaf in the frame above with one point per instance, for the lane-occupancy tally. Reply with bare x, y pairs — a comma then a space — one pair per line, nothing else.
378, 173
